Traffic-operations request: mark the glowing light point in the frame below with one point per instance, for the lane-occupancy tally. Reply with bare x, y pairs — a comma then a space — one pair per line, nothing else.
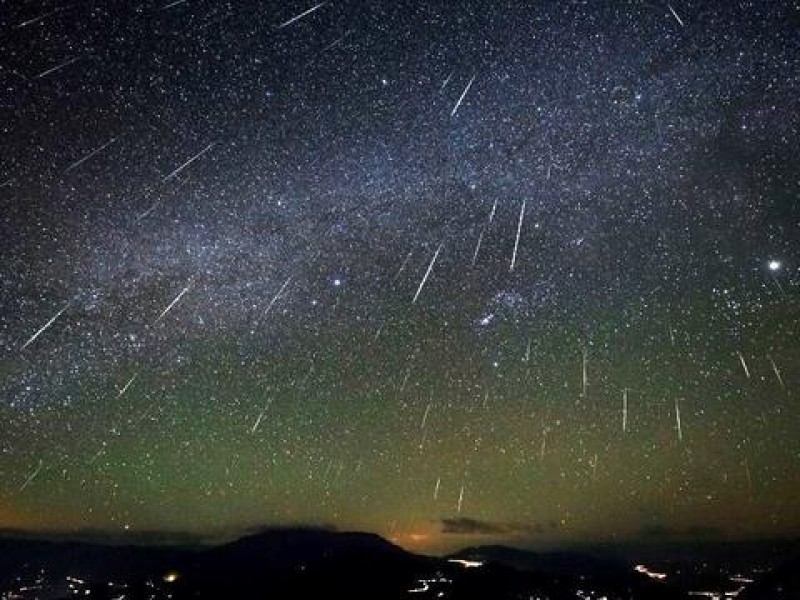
171, 577
651, 574
774, 265
467, 564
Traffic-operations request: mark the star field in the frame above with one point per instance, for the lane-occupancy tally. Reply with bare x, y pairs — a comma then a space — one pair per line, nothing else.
438, 270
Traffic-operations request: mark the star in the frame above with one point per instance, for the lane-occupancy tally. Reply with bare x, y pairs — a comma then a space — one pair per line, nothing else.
487, 319
513, 240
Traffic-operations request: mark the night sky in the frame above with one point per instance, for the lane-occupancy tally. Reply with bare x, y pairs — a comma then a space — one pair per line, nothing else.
451, 272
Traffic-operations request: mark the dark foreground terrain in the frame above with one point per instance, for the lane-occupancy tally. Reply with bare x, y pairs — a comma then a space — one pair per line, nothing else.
318, 563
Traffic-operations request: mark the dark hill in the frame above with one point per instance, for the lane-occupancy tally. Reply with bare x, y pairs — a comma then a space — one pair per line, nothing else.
553, 563
86, 560
783, 583
572, 570
314, 563
306, 563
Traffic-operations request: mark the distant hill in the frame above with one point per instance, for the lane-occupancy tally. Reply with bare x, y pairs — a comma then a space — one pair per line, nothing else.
306, 563
553, 563
85, 560
294, 563
317, 563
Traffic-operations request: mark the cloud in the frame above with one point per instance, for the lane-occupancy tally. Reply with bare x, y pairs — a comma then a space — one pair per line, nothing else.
155, 537
92, 536
467, 526
697, 532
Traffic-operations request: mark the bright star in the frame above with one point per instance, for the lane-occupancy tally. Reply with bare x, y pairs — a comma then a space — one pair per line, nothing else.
774, 265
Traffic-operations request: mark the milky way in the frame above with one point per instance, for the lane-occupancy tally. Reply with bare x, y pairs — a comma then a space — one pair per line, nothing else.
438, 270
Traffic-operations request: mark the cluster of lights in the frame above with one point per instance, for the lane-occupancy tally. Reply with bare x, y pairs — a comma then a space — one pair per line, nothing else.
651, 574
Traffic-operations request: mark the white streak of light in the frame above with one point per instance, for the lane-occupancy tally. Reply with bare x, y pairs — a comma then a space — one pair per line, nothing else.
90, 155
171, 4
477, 248
188, 162
467, 564
44, 327
585, 376
674, 14
744, 364
463, 94
519, 231
57, 67
278, 295
624, 410
446, 81
171, 304
258, 421
651, 574
493, 211
127, 385
31, 477
425, 416
301, 15
403, 266
776, 371
544, 443
427, 273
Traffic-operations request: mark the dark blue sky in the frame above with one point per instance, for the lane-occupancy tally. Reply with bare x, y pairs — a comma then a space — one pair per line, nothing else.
392, 265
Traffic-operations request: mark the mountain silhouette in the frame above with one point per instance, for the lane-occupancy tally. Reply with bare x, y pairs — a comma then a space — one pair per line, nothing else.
305, 563
316, 563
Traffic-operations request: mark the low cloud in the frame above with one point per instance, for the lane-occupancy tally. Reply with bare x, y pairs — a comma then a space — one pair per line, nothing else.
698, 532
467, 526
91, 536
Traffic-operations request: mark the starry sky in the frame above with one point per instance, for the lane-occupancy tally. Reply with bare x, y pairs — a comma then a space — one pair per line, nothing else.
451, 272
